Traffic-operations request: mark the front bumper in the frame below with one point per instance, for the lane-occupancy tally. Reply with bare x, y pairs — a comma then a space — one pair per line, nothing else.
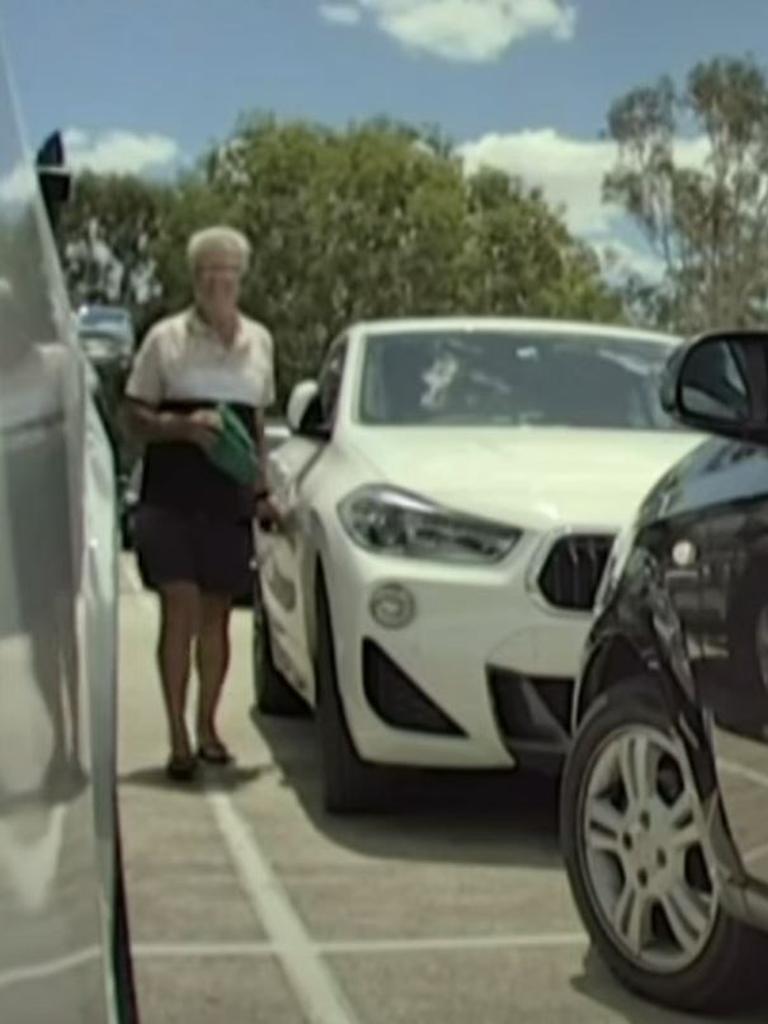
480, 678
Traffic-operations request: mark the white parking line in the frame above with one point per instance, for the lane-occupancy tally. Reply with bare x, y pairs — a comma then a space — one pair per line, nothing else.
741, 771
757, 778
44, 971
362, 947
313, 983
470, 942
755, 854
180, 950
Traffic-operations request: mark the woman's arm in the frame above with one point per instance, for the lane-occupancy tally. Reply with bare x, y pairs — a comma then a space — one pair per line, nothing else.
147, 424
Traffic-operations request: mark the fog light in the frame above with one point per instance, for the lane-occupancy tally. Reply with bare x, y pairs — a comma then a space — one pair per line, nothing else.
392, 606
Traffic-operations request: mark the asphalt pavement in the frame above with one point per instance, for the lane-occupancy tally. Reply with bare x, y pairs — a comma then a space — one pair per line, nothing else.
249, 904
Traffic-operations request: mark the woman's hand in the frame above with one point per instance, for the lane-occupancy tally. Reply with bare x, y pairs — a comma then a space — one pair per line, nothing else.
268, 516
203, 428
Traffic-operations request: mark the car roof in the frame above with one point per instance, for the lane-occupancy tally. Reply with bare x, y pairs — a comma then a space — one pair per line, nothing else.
416, 325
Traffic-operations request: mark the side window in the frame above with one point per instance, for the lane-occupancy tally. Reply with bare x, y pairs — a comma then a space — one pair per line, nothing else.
329, 381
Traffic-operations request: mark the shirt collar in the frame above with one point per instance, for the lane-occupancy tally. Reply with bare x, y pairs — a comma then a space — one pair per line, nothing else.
201, 329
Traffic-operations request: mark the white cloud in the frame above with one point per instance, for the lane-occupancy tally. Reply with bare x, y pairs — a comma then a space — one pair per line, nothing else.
619, 258
570, 171
119, 152
116, 152
462, 30
341, 14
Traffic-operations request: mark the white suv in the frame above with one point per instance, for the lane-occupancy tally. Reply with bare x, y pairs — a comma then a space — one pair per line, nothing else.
451, 491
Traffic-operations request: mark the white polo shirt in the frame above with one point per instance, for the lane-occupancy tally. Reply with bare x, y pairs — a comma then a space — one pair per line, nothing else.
182, 366
182, 362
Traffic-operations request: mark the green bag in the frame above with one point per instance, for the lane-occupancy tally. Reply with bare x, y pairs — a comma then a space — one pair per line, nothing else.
234, 452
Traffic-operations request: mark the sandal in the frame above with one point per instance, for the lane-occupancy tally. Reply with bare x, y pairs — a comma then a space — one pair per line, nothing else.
181, 767
214, 753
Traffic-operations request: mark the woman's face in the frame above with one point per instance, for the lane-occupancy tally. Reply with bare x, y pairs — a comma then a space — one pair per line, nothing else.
217, 280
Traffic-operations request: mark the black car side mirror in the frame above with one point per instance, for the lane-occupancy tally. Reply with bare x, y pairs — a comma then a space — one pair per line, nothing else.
719, 384
54, 178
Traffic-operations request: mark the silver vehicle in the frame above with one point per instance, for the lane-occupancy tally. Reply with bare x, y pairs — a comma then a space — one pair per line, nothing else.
107, 334
64, 951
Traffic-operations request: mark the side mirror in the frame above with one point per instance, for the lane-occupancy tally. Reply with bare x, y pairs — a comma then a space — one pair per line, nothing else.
53, 176
719, 384
304, 413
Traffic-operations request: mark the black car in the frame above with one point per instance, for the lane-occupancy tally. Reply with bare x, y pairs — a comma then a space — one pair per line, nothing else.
664, 811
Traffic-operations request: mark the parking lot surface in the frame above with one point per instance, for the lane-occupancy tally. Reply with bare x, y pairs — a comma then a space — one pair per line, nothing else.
249, 904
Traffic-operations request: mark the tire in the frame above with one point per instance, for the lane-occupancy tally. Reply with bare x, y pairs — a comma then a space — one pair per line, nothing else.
122, 962
720, 970
128, 529
350, 785
272, 694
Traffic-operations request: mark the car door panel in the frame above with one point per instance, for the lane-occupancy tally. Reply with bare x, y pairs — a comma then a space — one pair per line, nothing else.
287, 556
282, 555
733, 669
56, 747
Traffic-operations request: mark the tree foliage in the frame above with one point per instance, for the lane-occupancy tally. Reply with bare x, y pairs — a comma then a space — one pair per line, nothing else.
107, 235
707, 215
378, 220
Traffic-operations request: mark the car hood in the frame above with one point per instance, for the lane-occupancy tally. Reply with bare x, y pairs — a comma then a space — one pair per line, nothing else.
536, 478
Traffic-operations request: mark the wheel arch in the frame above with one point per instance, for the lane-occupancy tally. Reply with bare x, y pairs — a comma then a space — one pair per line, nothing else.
618, 659
313, 569
613, 661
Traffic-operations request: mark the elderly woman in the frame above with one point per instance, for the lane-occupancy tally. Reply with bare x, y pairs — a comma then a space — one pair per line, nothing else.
193, 528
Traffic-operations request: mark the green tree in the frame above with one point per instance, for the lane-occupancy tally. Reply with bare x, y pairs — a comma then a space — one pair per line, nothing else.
106, 236
378, 220
381, 221
521, 259
707, 217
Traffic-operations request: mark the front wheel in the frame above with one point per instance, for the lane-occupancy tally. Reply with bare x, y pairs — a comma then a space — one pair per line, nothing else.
636, 861
349, 784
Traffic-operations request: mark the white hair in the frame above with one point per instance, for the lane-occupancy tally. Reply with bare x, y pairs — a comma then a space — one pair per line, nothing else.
218, 240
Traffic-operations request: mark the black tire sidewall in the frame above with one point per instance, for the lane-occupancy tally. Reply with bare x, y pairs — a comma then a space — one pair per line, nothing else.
122, 961
347, 779
263, 666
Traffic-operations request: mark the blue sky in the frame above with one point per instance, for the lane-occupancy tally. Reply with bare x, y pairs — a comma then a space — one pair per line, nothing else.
144, 84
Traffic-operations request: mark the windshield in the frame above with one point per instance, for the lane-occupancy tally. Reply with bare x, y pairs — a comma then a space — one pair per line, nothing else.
494, 377
114, 317
105, 321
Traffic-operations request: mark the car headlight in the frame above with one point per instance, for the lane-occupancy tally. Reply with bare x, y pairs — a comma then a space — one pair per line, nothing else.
614, 568
388, 521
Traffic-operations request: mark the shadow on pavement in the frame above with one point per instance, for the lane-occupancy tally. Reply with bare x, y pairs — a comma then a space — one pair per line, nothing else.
598, 984
227, 780
453, 817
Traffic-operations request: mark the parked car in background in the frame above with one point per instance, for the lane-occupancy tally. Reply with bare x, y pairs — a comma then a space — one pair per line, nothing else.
64, 943
107, 335
451, 490
665, 792
108, 340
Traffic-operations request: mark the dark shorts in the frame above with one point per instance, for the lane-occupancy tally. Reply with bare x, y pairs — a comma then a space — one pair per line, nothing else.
173, 547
